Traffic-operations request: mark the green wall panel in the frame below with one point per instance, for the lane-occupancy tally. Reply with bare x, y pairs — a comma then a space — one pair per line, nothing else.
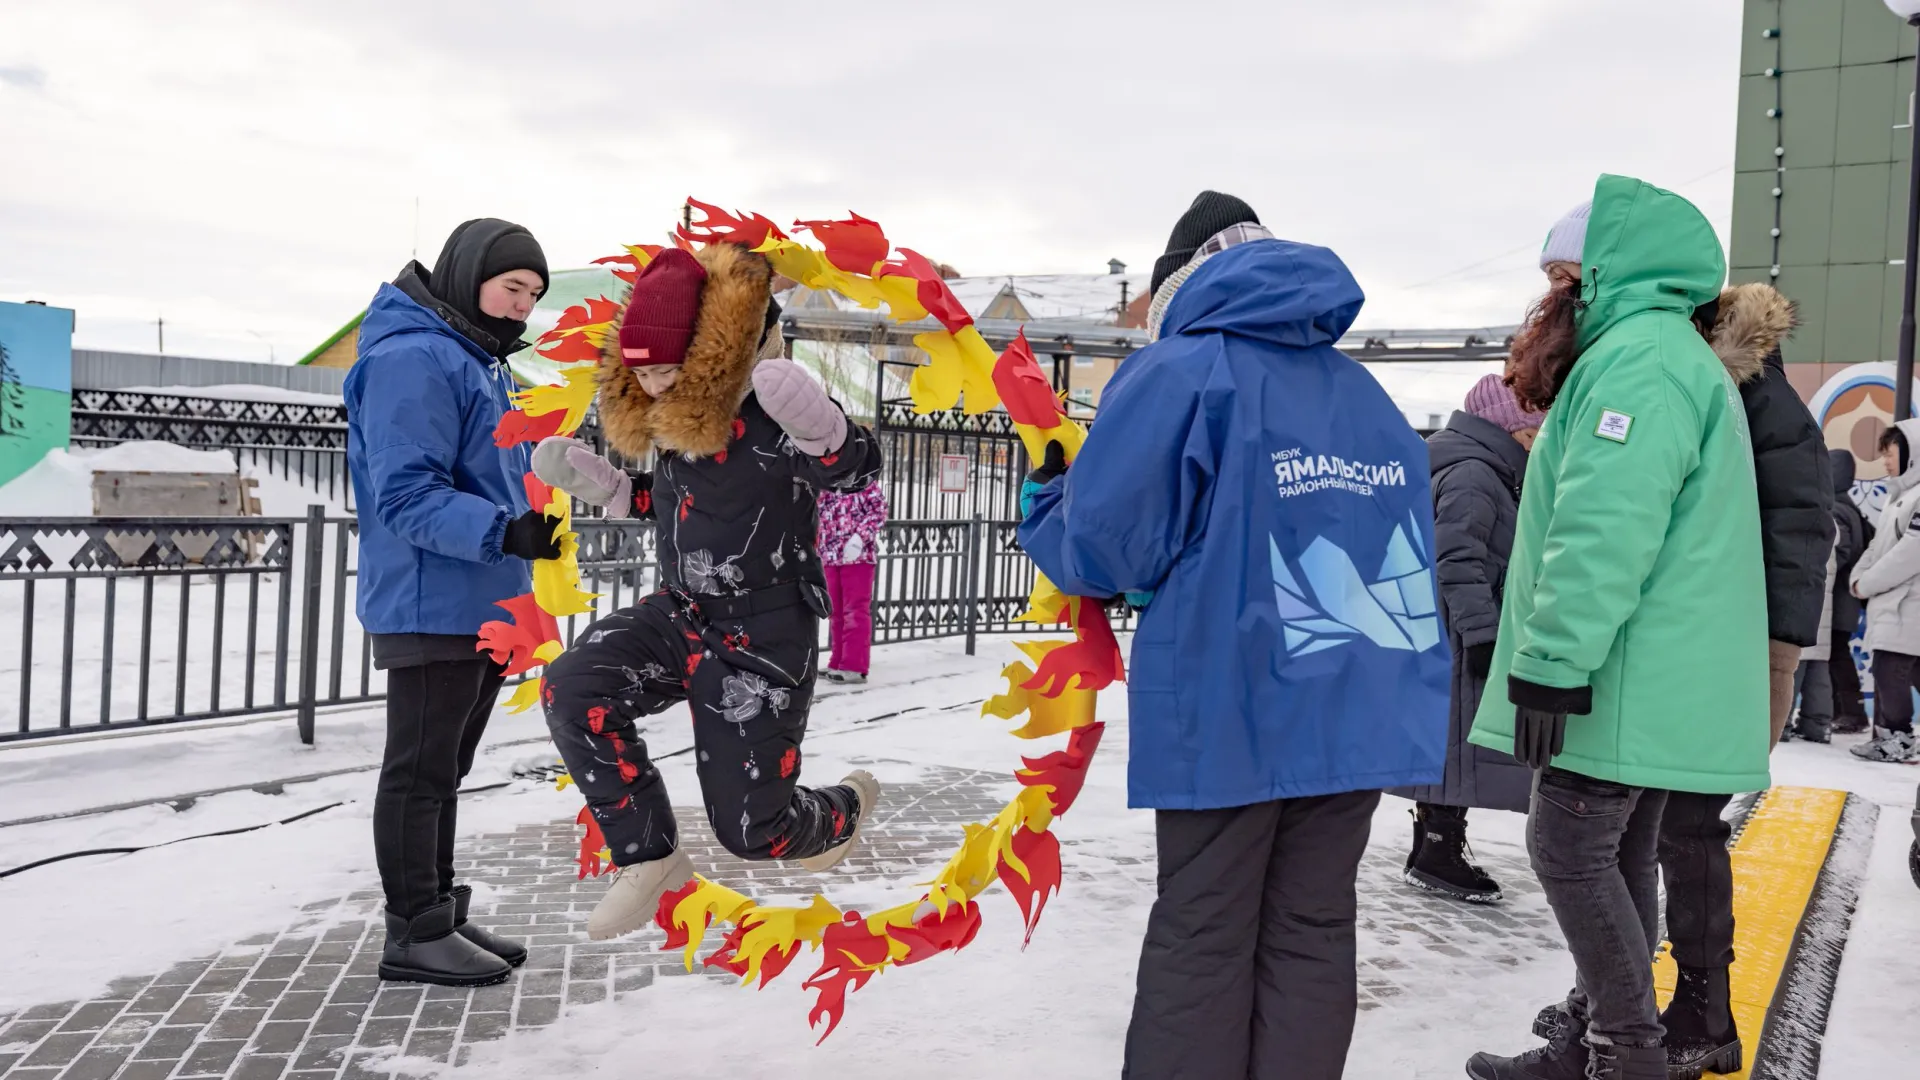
1855, 295
1810, 31
1870, 34
1756, 134
1806, 286
1806, 214
1752, 241
1865, 114
1859, 232
1896, 237
1809, 106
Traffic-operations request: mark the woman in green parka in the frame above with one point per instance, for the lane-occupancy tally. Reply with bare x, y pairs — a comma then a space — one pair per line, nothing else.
1633, 636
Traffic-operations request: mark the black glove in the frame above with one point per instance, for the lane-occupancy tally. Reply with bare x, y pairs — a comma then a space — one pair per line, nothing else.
1538, 736
1480, 660
530, 537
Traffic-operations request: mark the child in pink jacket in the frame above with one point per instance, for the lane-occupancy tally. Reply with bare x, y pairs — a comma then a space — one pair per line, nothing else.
849, 532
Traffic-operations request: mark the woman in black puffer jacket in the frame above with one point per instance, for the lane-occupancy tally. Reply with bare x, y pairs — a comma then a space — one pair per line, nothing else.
1478, 461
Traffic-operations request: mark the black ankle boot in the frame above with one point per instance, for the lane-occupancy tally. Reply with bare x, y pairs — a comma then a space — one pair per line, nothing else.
426, 949
511, 951
1439, 860
1611, 1061
1701, 1034
1563, 1058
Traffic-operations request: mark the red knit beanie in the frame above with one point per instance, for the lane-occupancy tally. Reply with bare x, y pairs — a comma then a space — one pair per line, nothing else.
658, 323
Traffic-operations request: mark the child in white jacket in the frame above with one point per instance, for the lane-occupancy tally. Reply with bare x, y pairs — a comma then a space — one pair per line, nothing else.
1888, 579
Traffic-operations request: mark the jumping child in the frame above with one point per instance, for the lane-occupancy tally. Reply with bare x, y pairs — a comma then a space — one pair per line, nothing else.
743, 445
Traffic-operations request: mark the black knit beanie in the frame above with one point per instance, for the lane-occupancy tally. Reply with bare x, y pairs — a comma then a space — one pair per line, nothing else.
1210, 213
476, 252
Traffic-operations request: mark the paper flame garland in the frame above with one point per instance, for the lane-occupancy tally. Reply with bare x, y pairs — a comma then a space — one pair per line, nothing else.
1056, 695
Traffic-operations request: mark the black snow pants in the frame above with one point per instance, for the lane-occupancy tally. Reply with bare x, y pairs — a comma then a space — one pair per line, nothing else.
1699, 873
1248, 966
746, 667
436, 713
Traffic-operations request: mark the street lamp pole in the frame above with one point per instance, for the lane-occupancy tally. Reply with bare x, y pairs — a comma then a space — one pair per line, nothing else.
1909, 10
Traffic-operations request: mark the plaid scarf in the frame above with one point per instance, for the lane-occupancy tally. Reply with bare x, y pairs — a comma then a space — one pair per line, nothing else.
1228, 237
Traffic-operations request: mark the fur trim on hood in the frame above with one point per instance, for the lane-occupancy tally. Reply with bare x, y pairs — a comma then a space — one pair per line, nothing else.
1753, 320
695, 418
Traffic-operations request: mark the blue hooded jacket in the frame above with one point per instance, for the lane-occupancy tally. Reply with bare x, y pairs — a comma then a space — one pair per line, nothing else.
1276, 499
434, 493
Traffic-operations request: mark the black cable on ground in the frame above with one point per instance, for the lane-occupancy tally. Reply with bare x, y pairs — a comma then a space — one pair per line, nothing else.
304, 814
164, 843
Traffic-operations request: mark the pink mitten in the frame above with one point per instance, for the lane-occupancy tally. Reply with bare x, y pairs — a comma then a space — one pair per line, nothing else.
572, 466
800, 406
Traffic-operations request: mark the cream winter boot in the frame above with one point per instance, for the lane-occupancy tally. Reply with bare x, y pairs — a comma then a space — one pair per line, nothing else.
864, 785
635, 893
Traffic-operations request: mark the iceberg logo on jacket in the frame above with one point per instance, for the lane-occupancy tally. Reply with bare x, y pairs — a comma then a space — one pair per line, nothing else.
1301, 473
1338, 607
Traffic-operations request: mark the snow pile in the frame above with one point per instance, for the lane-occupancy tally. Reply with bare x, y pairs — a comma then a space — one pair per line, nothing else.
61, 485
240, 392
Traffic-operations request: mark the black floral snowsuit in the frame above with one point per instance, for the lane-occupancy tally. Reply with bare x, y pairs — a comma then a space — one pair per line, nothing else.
734, 632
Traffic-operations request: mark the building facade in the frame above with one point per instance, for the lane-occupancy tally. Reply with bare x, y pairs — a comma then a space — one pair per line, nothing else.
1820, 185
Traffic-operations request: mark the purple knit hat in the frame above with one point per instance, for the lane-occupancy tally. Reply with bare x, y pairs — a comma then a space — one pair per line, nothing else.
1492, 400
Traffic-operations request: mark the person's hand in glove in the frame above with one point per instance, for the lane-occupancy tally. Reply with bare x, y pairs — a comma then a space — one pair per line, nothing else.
573, 467
1480, 660
1051, 467
854, 548
530, 537
800, 406
1538, 736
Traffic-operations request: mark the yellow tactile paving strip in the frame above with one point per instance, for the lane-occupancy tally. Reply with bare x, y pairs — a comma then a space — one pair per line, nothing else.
1776, 862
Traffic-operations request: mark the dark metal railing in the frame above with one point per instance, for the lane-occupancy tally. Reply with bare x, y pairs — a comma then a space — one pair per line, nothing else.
125, 623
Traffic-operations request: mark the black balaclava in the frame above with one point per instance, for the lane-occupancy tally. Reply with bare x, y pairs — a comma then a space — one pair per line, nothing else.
479, 250
1211, 213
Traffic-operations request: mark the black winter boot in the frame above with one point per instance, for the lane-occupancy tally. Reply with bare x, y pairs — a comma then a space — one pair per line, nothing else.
426, 949
1611, 1061
512, 952
1815, 729
1701, 1035
1563, 1058
1439, 860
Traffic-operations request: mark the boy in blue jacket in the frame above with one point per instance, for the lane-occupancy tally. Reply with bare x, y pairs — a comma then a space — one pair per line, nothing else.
445, 532
1291, 662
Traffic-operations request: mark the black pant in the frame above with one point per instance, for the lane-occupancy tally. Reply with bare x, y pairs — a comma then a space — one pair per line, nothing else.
1699, 871
436, 714
1248, 965
1849, 701
1593, 845
1893, 679
1813, 687
749, 683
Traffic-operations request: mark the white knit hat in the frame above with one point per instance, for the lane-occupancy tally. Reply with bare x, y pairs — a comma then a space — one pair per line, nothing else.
1568, 238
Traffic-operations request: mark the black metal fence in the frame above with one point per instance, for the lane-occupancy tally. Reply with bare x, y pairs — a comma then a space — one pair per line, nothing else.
303, 443
109, 623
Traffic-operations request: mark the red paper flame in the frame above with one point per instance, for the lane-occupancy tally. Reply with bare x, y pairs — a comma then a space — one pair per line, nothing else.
677, 938
1041, 853
932, 290
854, 245
1065, 771
717, 226
539, 495
592, 843
1093, 658
937, 933
571, 349
1024, 388
596, 310
852, 953
516, 427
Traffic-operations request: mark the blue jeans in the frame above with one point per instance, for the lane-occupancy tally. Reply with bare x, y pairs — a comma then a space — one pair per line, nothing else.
1595, 847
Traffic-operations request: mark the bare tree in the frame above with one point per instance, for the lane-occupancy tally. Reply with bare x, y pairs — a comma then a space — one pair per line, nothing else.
13, 397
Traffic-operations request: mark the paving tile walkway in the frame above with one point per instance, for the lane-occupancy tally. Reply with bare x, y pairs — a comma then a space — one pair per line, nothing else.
307, 1004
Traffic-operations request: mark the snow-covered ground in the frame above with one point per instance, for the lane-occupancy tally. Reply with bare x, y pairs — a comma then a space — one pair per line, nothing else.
1058, 1009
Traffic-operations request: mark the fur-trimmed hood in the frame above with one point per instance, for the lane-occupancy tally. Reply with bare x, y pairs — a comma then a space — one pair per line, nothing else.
695, 418
1753, 319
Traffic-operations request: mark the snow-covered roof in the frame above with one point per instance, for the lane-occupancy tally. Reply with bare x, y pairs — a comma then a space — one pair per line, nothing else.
1083, 297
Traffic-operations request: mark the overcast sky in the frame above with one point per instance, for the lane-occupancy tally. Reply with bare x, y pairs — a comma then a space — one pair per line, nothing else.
250, 170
